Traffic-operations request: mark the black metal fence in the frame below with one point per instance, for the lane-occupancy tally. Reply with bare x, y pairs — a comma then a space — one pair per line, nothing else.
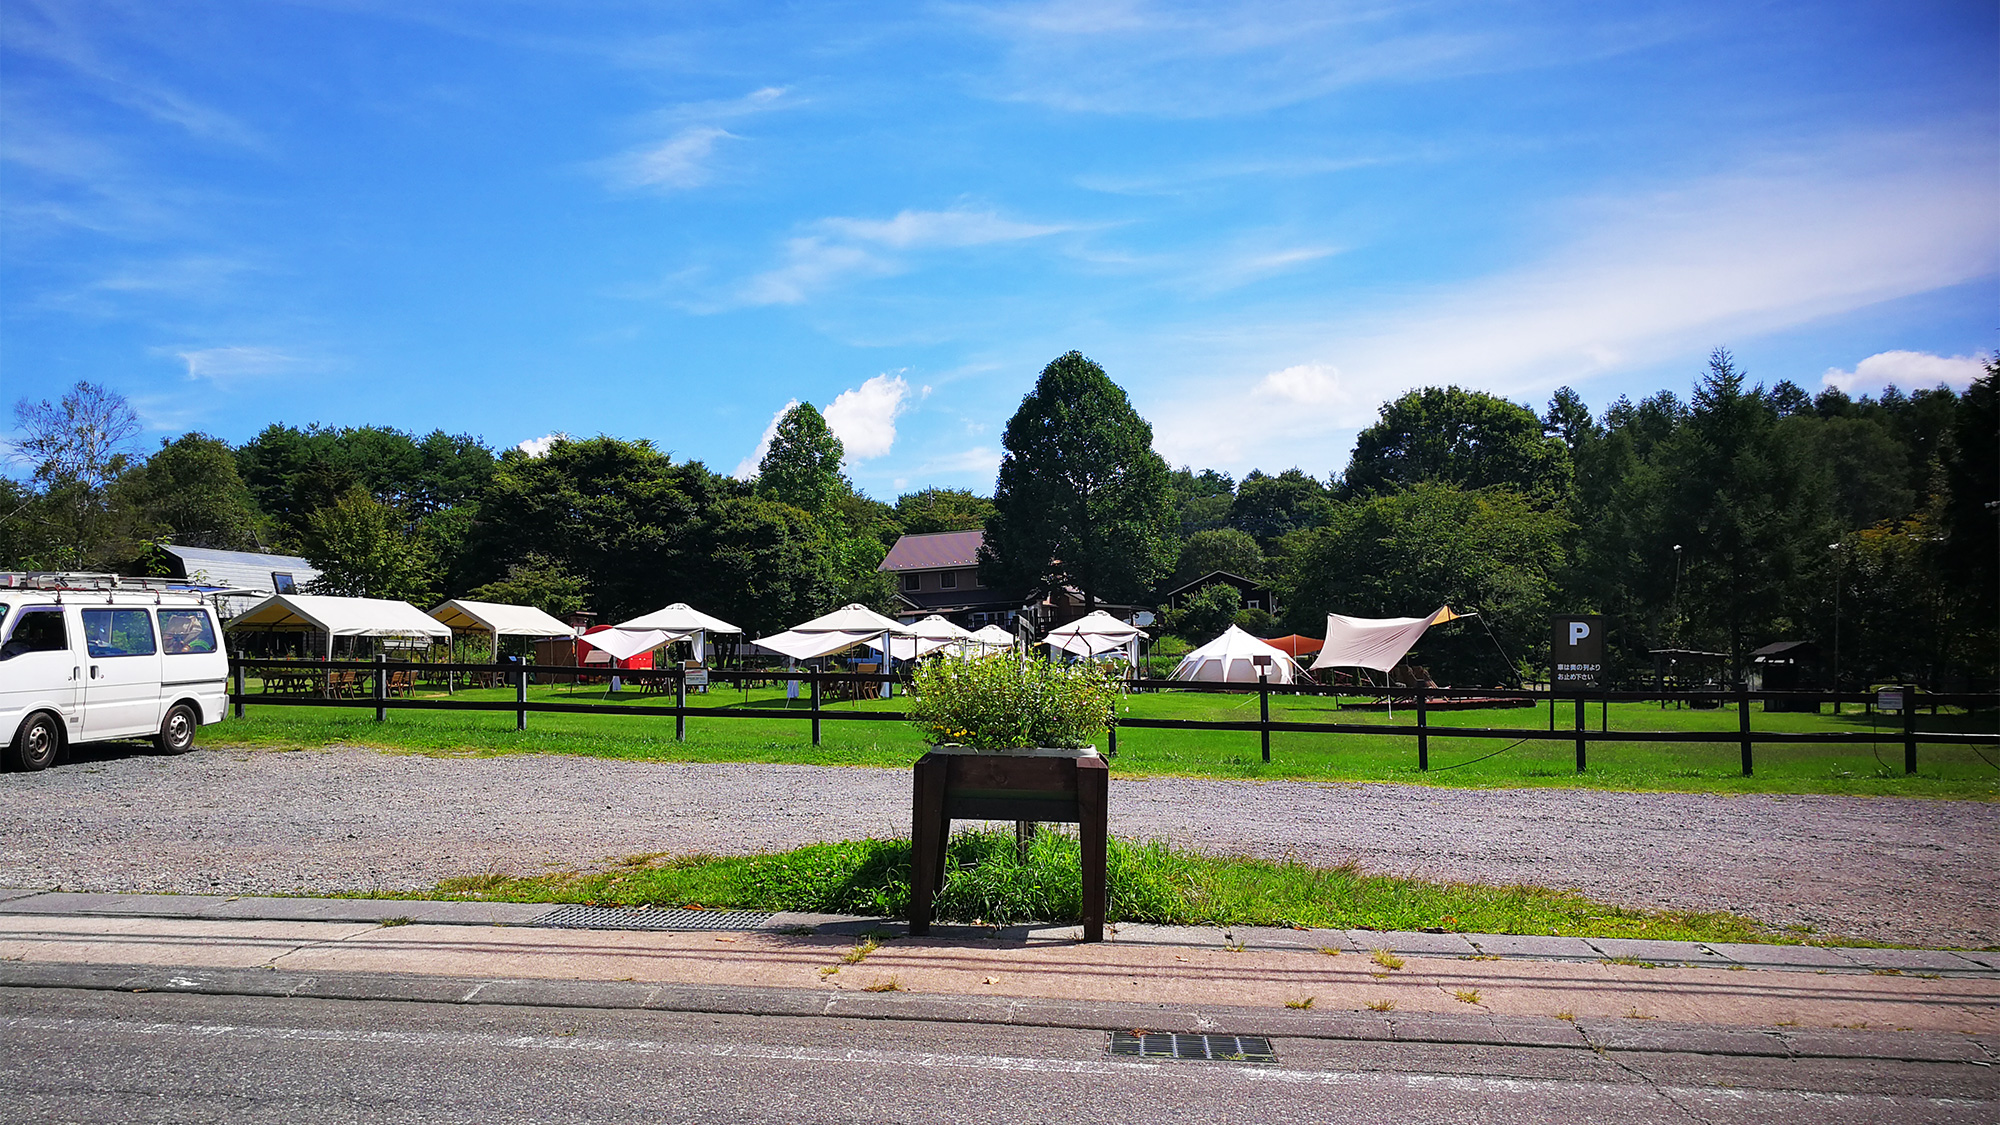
376, 684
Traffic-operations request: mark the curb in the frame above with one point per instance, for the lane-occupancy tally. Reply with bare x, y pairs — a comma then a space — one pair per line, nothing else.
1602, 1036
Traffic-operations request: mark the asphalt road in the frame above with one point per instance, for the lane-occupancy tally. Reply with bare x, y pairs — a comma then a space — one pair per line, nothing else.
77, 1056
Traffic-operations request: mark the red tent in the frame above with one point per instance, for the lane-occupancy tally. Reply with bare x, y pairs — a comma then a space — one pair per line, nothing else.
1296, 645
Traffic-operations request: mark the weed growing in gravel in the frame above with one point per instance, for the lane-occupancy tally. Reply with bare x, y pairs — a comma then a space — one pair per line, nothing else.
1386, 959
889, 985
1301, 1005
1465, 995
860, 952
1383, 1005
399, 920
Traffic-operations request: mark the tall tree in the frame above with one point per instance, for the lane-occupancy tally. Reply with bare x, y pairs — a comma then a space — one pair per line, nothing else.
932, 510
1272, 507
189, 491
1971, 516
802, 467
364, 548
1224, 548
1467, 438
78, 446
1082, 498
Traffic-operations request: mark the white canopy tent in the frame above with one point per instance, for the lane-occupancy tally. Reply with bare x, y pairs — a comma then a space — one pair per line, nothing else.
681, 618
624, 644
342, 617
1379, 643
991, 637
838, 631
500, 620
1232, 658
1094, 634
932, 634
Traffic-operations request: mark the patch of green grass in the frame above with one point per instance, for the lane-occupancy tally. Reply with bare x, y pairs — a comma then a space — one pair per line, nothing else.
765, 727
987, 880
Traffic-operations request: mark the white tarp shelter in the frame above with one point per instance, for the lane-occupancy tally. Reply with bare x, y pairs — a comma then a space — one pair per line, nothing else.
1232, 658
927, 636
624, 644
993, 637
1379, 643
1094, 634
341, 617
499, 620
838, 631
683, 619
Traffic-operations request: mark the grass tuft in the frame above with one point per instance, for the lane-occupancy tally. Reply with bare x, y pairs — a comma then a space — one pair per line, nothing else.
1301, 1005
1465, 995
890, 984
1386, 959
1383, 1005
399, 920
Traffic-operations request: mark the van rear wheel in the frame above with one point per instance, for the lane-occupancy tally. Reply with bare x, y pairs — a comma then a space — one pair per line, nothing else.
35, 744
177, 730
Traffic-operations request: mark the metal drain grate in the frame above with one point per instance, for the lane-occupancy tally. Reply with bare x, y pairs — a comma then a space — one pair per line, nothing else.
630, 918
1172, 1045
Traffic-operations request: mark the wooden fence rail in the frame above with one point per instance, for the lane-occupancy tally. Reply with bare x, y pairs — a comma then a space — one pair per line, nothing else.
1417, 700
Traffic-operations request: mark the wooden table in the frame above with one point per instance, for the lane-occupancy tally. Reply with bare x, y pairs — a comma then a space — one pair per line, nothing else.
1065, 787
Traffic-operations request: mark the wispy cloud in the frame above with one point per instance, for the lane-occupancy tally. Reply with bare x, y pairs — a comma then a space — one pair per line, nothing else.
1644, 278
843, 248
864, 417
686, 157
1906, 370
237, 362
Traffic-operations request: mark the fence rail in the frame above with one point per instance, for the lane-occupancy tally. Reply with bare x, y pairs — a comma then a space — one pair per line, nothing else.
1416, 700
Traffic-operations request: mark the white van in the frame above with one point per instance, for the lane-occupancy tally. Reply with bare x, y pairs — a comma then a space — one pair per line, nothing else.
87, 665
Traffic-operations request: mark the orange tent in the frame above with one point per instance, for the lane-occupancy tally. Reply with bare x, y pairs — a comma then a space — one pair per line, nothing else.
1297, 646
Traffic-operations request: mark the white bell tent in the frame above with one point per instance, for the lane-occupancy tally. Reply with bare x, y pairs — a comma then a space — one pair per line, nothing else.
1232, 658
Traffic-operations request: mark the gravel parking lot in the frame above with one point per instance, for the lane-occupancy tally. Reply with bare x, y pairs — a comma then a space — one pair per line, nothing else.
248, 822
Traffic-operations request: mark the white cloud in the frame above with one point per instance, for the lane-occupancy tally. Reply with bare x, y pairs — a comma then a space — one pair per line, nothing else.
980, 462
864, 418
1907, 370
1640, 280
746, 469
227, 364
680, 161
848, 247
539, 447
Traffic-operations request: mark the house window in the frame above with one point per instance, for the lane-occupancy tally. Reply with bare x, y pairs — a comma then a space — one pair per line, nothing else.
910, 582
1256, 603
281, 582
948, 580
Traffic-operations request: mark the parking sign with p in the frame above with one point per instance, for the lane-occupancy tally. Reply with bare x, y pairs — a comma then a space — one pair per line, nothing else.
1576, 650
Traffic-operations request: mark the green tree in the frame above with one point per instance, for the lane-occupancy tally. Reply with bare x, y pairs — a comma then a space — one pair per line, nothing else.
364, 548
1467, 438
1203, 499
1205, 613
539, 581
78, 446
1970, 520
802, 467
1405, 553
768, 566
1269, 507
932, 510
1224, 548
1082, 498
189, 492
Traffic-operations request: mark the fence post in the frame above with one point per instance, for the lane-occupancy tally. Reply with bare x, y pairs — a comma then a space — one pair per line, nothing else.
1264, 710
381, 685
812, 677
1423, 733
1581, 729
1909, 728
239, 687
521, 698
1743, 721
680, 704
1111, 737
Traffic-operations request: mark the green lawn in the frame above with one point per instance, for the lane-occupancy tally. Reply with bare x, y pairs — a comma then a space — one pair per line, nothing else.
779, 733
987, 881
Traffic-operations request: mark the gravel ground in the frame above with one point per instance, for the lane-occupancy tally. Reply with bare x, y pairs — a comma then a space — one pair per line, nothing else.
244, 822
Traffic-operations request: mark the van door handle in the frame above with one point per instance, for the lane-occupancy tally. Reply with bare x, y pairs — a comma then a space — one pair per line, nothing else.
93, 671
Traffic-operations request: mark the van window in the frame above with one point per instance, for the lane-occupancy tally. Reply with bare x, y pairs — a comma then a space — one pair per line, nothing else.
39, 628
185, 631
118, 632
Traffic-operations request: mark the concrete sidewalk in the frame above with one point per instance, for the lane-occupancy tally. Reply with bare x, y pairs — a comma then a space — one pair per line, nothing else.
1314, 983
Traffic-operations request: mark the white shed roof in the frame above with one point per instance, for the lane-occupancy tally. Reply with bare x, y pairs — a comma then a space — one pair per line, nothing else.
242, 570
341, 617
499, 617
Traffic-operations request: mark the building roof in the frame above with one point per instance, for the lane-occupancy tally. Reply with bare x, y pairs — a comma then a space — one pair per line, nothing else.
958, 601
1236, 580
241, 570
497, 617
1790, 650
935, 551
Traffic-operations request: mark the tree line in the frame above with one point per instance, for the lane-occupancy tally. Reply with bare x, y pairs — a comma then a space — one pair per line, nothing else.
1737, 516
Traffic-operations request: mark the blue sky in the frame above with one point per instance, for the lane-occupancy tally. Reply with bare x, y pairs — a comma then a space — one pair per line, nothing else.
667, 221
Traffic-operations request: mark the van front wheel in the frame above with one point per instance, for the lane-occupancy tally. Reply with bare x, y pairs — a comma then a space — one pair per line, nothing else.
177, 730
35, 744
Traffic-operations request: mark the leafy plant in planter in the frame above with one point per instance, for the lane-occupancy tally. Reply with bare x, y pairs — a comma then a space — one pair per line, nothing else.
1001, 702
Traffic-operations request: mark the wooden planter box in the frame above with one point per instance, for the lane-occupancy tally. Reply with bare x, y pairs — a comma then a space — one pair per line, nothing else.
1060, 786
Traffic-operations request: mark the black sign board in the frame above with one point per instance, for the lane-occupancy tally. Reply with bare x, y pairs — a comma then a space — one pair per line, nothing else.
1576, 650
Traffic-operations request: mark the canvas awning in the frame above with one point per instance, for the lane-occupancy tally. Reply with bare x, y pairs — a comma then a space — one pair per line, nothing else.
682, 619
624, 644
1232, 658
810, 646
342, 617
1296, 645
500, 619
1379, 643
